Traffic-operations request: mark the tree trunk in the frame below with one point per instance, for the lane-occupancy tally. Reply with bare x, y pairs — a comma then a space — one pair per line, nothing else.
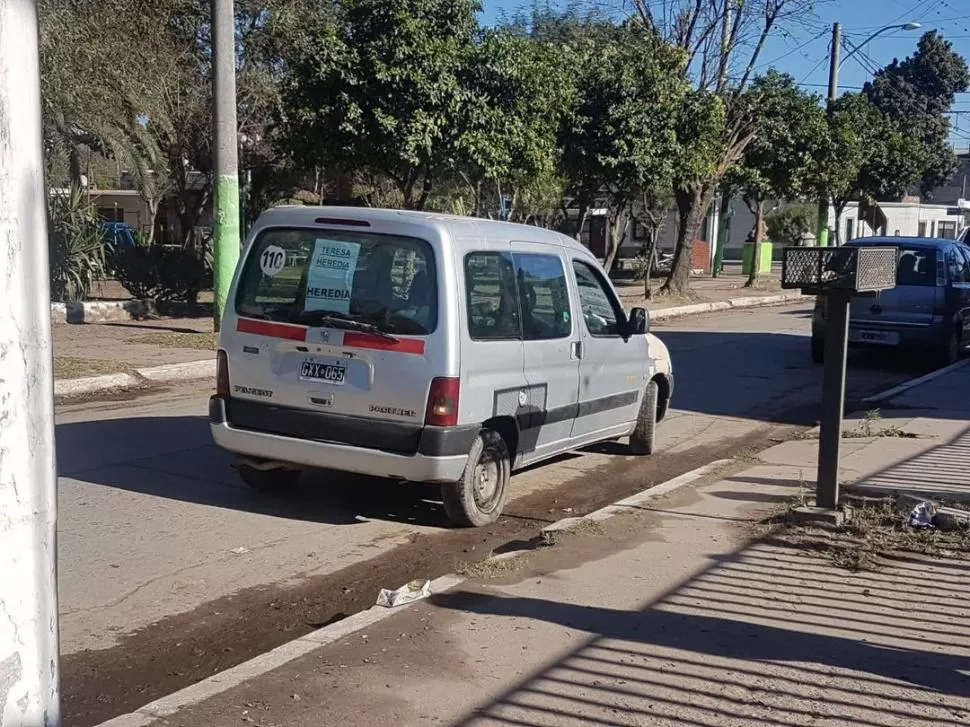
759, 220
839, 208
651, 261
617, 231
692, 205
152, 205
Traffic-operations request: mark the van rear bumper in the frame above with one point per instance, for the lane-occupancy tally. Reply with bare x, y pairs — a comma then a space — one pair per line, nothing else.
415, 467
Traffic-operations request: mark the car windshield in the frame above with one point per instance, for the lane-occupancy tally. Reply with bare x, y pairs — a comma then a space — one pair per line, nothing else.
917, 266
340, 278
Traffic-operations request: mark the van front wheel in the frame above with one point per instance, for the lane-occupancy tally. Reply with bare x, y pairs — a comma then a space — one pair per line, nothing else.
643, 439
478, 497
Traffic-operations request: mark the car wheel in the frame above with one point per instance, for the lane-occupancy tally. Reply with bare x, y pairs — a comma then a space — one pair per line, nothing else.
643, 439
478, 497
818, 349
272, 480
953, 351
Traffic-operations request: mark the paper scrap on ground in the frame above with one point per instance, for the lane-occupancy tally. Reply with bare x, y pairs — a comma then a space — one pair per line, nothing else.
413, 591
331, 276
922, 515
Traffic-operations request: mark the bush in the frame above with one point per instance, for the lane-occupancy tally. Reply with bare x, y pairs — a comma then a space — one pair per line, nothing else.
76, 245
162, 274
787, 226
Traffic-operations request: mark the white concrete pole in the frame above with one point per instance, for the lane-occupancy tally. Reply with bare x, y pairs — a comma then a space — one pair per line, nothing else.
29, 670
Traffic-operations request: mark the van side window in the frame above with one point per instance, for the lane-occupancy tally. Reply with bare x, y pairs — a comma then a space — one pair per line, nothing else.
600, 309
543, 297
491, 297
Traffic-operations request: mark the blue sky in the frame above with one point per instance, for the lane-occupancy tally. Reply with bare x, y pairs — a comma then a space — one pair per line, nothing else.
804, 55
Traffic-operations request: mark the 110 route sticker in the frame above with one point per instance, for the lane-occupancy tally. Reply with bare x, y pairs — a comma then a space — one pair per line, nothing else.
273, 260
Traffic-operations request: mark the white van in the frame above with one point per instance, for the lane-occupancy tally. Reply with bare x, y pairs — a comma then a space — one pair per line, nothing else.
426, 348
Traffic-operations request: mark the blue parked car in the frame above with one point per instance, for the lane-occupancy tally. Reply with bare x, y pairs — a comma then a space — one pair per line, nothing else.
928, 310
119, 235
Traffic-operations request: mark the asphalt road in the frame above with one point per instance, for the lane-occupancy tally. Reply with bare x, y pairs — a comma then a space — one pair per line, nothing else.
171, 569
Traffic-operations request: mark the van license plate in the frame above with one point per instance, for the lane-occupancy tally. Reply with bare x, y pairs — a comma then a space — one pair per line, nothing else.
886, 338
332, 373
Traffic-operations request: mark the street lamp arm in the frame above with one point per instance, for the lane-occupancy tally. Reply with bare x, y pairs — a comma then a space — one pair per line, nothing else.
856, 48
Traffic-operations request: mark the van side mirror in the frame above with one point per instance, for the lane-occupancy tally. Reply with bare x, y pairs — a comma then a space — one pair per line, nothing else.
637, 322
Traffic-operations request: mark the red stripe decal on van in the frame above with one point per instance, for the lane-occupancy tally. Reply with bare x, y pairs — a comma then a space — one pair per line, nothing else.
401, 345
271, 329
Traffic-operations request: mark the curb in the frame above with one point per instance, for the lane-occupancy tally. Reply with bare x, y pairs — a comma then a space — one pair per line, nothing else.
206, 368
259, 665
907, 385
169, 373
751, 301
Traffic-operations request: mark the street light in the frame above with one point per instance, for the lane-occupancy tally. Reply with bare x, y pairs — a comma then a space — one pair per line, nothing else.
905, 26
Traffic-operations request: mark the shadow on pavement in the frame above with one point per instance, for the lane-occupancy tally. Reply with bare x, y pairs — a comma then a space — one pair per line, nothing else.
173, 457
746, 375
767, 636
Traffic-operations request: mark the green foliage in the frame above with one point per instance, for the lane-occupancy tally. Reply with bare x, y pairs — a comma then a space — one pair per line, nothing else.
778, 162
163, 274
789, 225
379, 90
864, 155
918, 94
76, 245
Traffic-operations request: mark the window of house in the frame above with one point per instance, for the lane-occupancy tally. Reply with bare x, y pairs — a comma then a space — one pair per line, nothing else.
946, 229
921, 231
849, 229
543, 297
492, 297
601, 311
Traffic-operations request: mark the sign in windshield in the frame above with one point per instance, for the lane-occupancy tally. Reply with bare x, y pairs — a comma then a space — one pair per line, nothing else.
382, 280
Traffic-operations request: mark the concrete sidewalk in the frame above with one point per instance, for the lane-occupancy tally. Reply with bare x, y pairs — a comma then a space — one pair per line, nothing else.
681, 609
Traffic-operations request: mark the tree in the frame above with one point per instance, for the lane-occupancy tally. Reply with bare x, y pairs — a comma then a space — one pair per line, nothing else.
379, 90
862, 156
918, 93
722, 41
621, 136
778, 162
519, 90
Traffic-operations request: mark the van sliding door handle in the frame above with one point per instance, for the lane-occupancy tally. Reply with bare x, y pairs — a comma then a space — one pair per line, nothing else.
578, 349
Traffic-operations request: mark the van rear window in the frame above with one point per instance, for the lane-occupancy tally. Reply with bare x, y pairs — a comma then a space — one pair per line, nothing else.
917, 266
322, 276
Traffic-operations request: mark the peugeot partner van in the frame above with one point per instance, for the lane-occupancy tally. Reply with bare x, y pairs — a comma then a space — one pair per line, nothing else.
426, 348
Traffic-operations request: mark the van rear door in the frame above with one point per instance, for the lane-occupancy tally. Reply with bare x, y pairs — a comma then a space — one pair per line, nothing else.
340, 322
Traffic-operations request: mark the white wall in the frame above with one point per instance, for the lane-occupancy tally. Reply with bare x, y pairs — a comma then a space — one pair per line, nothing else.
912, 220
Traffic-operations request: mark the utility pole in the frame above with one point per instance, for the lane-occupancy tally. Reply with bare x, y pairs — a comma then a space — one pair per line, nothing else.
822, 238
722, 220
226, 143
29, 664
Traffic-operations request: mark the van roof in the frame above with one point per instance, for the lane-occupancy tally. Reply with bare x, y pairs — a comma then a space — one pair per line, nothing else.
308, 215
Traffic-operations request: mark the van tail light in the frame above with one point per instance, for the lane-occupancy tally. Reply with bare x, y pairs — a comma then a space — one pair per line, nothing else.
820, 305
940, 273
939, 310
443, 402
222, 374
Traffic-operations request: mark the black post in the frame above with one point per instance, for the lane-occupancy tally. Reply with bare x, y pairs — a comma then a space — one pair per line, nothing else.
833, 398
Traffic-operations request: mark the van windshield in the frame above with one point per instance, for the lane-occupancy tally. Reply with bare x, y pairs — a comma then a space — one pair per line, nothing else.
322, 277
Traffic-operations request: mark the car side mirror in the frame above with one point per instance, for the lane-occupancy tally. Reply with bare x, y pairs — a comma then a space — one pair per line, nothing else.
637, 322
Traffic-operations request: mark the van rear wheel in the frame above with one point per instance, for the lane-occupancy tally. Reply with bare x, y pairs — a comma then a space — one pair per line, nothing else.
272, 480
478, 497
643, 439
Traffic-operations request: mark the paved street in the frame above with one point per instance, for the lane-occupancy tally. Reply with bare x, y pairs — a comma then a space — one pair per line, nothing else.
154, 525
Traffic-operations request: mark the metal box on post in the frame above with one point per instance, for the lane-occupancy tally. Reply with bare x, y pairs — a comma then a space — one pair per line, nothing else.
839, 274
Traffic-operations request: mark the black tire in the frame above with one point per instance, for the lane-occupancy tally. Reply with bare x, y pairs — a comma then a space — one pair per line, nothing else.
952, 351
643, 439
478, 497
274, 480
818, 349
